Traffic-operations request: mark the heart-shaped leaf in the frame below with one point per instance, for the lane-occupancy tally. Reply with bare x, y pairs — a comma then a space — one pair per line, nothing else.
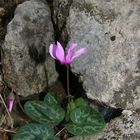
41, 112
35, 132
85, 121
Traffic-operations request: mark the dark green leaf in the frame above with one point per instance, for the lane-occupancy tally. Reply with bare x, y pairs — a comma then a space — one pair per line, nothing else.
41, 112
35, 132
80, 115
83, 130
85, 121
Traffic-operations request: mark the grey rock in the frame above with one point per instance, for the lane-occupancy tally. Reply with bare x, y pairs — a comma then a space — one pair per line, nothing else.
26, 63
110, 30
125, 127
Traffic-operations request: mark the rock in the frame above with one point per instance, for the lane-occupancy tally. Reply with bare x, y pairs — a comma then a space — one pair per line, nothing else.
110, 31
125, 127
60, 12
7, 9
26, 63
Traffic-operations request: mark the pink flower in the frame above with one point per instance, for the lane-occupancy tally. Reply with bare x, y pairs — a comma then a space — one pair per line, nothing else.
10, 102
57, 52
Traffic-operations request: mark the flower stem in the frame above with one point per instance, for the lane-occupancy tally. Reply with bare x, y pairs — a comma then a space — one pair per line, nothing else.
68, 84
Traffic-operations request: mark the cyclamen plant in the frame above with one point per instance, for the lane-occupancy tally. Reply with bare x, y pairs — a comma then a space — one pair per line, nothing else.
80, 119
66, 58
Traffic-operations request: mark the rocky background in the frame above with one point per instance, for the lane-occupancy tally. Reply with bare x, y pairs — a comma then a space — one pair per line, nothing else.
110, 70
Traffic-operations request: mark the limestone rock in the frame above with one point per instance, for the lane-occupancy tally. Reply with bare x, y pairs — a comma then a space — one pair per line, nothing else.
26, 63
126, 127
110, 30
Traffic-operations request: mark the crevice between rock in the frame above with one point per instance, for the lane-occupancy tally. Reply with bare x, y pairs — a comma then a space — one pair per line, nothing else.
76, 87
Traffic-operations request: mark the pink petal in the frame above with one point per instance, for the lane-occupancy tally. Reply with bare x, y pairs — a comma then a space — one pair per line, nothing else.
60, 55
52, 51
78, 53
10, 104
70, 53
71, 48
68, 58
